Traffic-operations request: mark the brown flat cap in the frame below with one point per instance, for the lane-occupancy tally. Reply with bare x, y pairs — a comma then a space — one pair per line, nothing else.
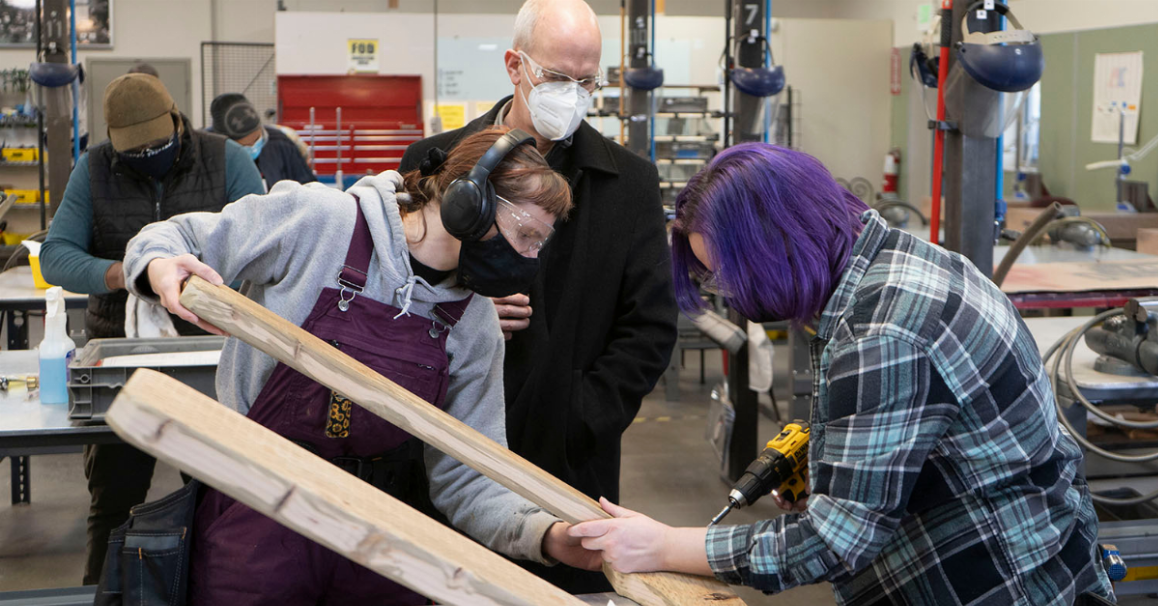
138, 110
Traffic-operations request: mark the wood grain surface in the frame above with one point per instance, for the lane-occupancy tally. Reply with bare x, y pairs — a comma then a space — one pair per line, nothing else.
295, 347
278, 478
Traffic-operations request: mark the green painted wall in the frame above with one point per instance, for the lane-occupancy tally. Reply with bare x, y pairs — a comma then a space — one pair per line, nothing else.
1067, 98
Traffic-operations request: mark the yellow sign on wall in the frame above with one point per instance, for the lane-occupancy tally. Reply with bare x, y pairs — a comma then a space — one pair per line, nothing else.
482, 107
363, 55
453, 115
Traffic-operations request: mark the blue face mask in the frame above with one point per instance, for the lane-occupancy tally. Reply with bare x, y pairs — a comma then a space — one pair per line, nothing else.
255, 149
155, 162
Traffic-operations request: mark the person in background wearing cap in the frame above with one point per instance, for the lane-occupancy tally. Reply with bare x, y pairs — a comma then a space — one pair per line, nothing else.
276, 156
153, 167
140, 67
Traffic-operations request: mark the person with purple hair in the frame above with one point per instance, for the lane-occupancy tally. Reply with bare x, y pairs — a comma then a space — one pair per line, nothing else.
938, 472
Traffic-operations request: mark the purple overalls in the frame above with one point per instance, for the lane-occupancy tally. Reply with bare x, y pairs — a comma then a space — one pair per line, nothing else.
239, 556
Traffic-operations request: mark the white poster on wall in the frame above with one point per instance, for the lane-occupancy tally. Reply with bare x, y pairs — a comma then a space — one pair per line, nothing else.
1117, 95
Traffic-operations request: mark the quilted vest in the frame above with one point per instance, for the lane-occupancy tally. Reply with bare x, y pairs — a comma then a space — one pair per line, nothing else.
124, 201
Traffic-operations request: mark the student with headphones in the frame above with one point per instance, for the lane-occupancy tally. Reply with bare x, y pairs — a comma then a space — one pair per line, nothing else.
387, 272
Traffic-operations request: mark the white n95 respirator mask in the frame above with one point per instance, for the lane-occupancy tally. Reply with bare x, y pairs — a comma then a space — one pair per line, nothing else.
557, 108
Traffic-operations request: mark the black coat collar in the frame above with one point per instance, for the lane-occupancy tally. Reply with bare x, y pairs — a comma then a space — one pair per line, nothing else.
589, 149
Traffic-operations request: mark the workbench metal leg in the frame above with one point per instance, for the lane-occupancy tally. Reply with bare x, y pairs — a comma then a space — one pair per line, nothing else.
742, 448
17, 329
21, 481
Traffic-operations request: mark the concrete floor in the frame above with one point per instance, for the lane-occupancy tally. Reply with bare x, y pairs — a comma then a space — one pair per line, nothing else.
669, 472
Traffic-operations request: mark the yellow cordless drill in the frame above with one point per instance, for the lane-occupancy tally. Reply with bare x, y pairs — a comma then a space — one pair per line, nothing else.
780, 469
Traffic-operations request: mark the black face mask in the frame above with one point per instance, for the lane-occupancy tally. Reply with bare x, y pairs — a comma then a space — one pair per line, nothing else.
157, 163
492, 268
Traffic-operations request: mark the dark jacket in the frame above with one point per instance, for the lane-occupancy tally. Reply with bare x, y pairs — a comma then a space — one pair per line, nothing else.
124, 201
280, 160
604, 321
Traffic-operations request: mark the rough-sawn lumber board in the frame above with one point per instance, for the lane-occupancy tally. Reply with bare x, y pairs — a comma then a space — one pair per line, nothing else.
297, 348
278, 478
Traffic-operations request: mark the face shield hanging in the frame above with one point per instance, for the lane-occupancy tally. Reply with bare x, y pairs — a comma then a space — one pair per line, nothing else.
1005, 63
924, 62
1008, 61
760, 82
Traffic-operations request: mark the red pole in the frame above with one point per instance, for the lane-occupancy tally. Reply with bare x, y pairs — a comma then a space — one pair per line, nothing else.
939, 134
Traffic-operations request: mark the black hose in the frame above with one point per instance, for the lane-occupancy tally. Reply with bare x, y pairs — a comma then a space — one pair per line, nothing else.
1063, 349
1036, 228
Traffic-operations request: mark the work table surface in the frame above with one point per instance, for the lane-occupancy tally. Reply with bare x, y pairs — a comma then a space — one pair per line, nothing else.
24, 421
17, 289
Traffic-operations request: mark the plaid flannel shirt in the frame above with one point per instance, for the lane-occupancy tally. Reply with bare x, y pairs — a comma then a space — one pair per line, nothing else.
938, 471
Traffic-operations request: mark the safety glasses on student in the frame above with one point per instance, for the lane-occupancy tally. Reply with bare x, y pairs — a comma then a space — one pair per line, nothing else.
708, 282
590, 83
526, 234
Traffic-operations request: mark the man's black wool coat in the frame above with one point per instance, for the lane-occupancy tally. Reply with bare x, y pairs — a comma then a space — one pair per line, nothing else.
603, 323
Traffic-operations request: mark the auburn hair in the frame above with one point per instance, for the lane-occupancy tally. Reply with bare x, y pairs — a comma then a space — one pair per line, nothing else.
522, 176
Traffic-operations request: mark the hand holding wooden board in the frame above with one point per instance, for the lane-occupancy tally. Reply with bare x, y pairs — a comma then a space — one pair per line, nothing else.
278, 478
297, 348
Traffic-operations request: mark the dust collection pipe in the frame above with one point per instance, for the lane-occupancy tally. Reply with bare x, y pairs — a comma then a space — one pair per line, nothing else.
939, 133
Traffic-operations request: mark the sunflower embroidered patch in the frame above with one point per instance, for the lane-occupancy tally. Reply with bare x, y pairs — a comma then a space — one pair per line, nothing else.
338, 419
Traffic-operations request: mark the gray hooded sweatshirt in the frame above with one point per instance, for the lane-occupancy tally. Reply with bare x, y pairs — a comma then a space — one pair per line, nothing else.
290, 244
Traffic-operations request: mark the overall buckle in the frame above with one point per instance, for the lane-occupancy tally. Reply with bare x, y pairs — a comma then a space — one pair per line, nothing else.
348, 288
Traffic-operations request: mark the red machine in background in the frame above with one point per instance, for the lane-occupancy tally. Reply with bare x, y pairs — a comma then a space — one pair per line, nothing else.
355, 125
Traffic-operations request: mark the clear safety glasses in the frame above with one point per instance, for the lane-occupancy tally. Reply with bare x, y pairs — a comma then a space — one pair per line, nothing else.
590, 83
526, 234
708, 282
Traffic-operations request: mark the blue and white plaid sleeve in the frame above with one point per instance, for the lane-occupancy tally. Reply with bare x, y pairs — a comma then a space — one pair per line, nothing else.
886, 411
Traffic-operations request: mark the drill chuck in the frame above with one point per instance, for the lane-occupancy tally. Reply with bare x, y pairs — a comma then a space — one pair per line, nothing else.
778, 467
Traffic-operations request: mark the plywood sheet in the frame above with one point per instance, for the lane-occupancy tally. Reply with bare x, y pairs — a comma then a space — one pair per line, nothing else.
1136, 274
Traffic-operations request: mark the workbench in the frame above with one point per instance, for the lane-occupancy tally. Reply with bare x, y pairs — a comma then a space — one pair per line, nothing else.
1056, 277
18, 296
1030, 286
28, 427
1135, 539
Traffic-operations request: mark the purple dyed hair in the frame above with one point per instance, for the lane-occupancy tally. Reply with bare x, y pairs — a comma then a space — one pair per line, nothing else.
777, 227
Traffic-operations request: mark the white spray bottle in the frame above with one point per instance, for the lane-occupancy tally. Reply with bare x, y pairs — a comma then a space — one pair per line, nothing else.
56, 350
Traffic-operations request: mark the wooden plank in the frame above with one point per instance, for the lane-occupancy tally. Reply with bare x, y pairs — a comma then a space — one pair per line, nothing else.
266, 331
1148, 241
298, 489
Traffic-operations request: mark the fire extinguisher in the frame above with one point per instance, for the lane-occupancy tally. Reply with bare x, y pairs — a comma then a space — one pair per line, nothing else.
892, 172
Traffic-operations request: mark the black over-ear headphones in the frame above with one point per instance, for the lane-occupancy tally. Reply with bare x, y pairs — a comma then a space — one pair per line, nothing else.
468, 204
